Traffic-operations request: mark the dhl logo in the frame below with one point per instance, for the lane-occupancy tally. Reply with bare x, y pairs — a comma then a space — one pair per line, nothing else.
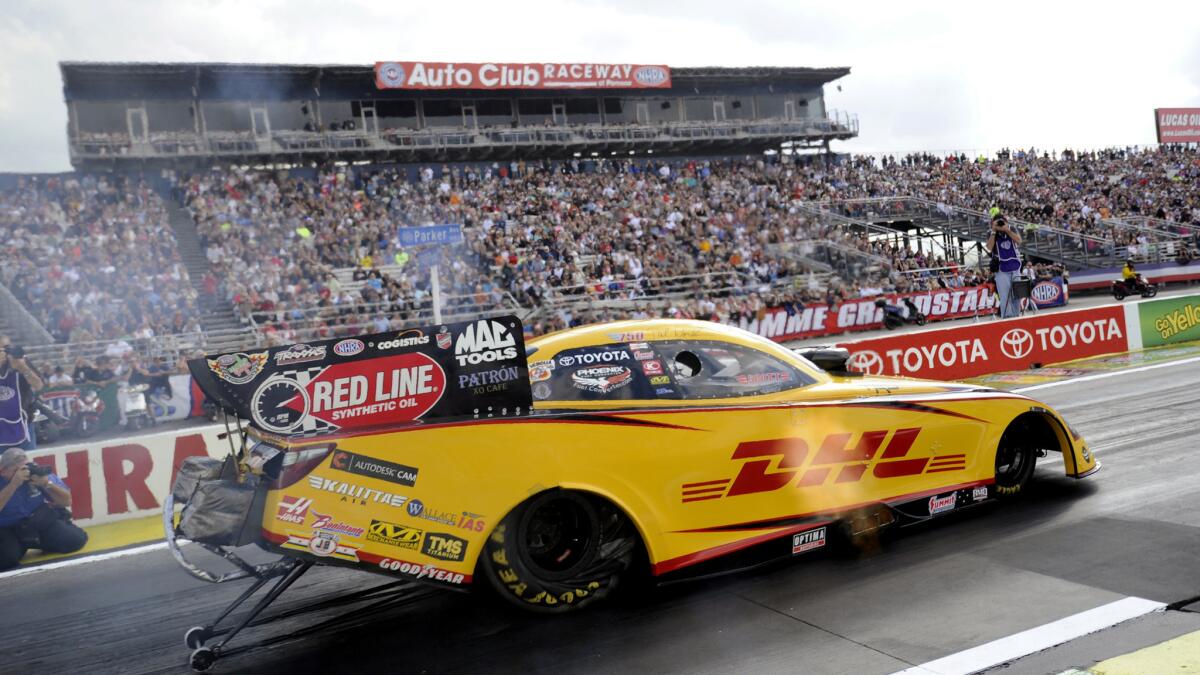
835, 458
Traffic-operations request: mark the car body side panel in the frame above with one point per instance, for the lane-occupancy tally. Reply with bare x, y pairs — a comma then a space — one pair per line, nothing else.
697, 482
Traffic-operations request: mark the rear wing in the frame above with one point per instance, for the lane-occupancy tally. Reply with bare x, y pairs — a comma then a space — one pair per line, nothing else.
471, 369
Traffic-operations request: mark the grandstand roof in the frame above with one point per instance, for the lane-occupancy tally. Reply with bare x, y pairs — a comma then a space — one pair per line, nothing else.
95, 80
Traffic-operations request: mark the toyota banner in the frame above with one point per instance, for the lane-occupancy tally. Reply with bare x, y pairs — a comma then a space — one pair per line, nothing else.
444, 75
993, 346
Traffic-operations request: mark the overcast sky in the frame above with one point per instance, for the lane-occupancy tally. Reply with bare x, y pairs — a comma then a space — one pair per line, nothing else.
925, 75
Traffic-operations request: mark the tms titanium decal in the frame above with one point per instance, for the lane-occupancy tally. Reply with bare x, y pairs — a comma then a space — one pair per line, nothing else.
835, 459
444, 547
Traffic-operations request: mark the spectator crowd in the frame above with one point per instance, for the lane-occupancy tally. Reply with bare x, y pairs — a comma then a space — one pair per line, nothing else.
93, 257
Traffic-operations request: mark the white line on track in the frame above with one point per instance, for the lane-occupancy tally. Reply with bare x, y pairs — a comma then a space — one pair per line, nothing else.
1036, 639
1101, 376
72, 562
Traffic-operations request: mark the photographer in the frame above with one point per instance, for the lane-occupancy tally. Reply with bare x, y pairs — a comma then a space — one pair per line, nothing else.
33, 513
18, 387
1002, 244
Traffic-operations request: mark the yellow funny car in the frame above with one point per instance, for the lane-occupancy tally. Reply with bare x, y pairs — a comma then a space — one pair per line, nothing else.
461, 456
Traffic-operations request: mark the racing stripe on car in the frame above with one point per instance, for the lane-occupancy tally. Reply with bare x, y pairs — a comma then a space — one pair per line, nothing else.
911, 407
799, 518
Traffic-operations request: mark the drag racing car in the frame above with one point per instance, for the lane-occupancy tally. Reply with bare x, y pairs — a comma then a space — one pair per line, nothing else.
550, 472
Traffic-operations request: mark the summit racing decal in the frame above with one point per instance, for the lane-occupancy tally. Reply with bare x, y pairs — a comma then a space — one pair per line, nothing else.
484, 341
373, 468
238, 368
299, 353
601, 379
943, 504
356, 493
355, 394
775, 464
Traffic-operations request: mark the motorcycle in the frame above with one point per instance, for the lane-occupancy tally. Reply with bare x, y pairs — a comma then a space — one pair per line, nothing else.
1134, 286
895, 316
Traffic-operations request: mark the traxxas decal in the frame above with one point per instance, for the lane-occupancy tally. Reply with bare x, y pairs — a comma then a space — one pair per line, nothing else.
835, 459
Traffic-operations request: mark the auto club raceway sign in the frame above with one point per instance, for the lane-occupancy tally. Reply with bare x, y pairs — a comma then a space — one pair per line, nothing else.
994, 346
444, 75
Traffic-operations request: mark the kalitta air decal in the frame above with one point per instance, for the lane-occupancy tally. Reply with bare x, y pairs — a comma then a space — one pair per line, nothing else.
836, 460
357, 494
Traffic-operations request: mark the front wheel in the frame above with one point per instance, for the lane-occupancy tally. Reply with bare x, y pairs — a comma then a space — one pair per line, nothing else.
1015, 462
1118, 294
559, 551
1150, 291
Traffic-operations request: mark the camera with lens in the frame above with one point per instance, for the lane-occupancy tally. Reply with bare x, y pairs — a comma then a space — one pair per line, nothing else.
15, 351
36, 469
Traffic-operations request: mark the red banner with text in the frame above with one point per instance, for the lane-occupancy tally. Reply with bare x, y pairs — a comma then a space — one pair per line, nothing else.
444, 75
857, 315
126, 477
993, 346
1177, 125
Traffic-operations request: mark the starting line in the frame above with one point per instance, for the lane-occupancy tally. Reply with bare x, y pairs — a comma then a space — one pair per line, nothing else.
1037, 639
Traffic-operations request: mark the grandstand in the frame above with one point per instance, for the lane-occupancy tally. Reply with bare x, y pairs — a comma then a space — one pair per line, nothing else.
165, 114
690, 198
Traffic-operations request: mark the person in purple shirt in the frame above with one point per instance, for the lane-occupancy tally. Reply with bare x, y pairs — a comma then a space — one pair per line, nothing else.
33, 512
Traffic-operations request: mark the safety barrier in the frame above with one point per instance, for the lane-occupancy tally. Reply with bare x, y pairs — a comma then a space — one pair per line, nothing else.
1017, 344
127, 477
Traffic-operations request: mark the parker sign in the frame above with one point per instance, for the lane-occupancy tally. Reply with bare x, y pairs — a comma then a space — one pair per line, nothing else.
994, 346
862, 314
1177, 125
443, 75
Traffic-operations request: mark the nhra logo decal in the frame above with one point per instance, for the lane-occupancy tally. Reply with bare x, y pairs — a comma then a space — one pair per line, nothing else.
485, 341
601, 379
348, 347
1016, 343
374, 468
777, 463
650, 76
444, 547
1046, 292
808, 541
392, 534
238, 368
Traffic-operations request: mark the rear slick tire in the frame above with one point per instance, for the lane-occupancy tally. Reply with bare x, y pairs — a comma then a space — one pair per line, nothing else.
1015, 462
558, 552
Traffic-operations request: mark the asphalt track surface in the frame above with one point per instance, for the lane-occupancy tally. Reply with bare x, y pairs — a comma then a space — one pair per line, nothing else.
1065, 547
